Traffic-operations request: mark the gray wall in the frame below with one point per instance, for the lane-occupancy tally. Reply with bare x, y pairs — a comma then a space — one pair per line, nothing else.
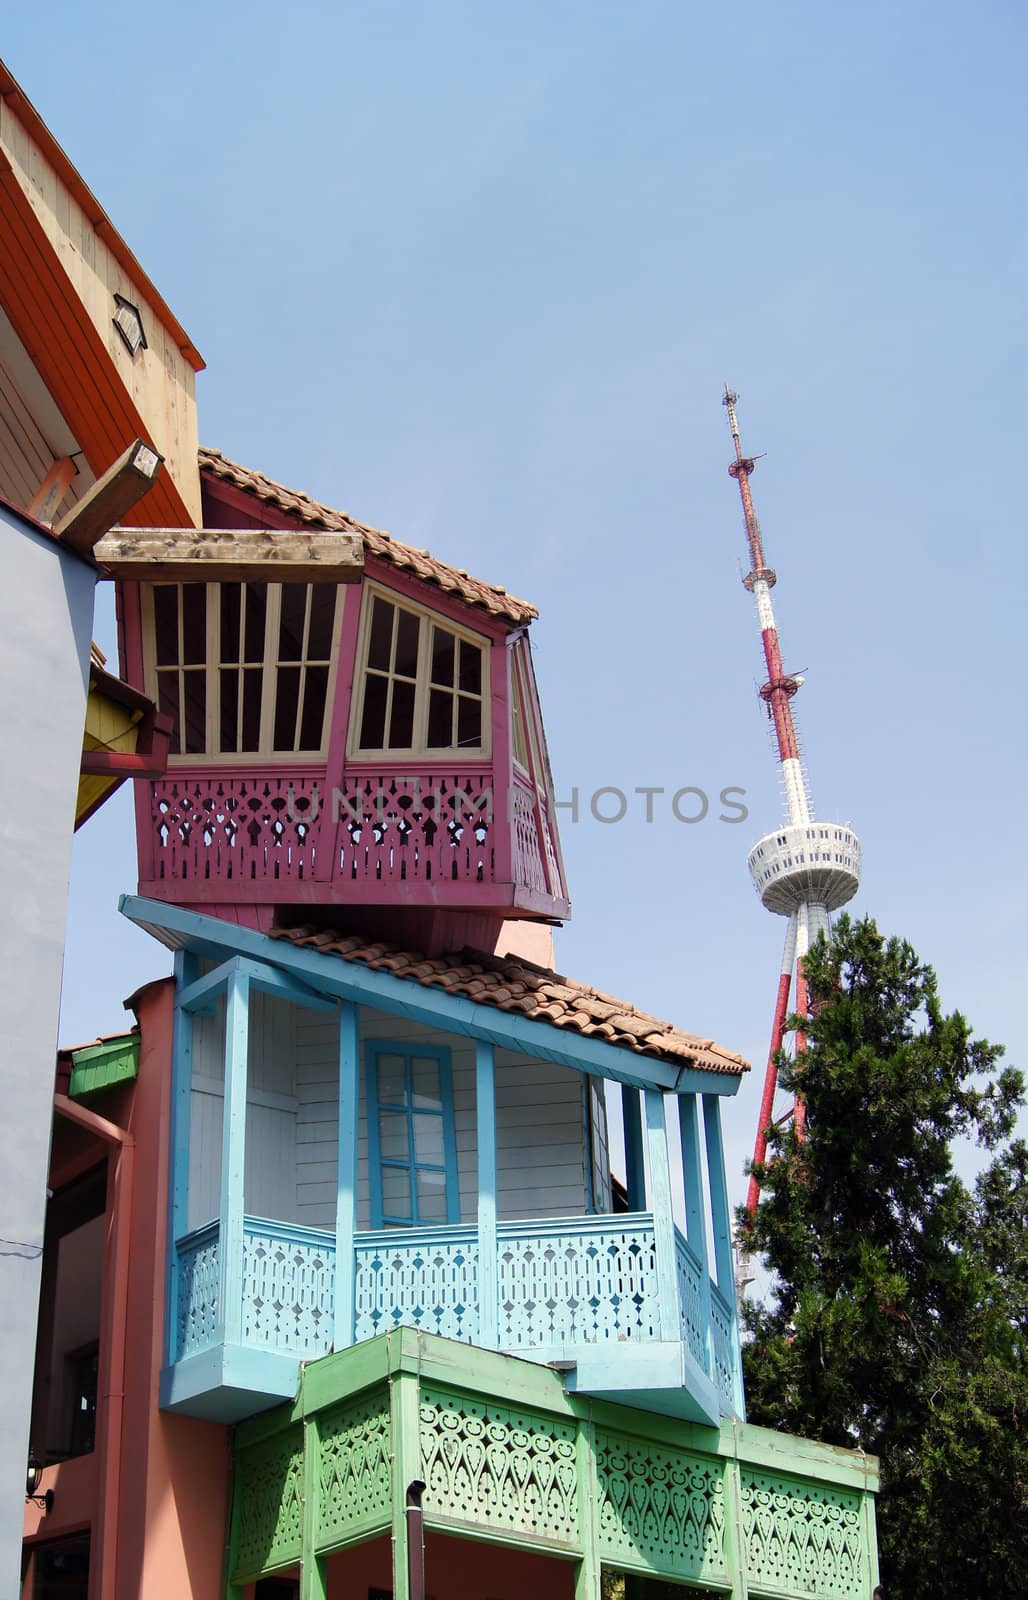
46, 614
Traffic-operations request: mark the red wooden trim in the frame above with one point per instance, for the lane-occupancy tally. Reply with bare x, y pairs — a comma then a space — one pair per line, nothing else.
502, 761
339, 725
122, 763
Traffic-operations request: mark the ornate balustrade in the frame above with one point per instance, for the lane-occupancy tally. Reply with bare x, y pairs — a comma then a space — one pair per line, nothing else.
451, 832
560, 1284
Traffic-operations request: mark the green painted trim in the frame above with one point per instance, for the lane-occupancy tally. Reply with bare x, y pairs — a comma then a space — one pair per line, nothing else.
103, 1066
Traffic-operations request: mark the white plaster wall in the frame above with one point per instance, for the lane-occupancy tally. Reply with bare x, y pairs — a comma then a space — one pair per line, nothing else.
46, 613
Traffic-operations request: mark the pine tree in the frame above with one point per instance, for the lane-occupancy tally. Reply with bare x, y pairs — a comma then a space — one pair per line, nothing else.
900, 1307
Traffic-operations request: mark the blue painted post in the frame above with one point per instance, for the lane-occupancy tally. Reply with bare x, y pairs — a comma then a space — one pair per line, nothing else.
346, 1200
663, 1218
178, 1158
233, 1161
635, 1169
696, 1211
485, 1110
722, 1219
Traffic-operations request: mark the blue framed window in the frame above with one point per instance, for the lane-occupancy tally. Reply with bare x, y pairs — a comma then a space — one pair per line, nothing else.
412, 1145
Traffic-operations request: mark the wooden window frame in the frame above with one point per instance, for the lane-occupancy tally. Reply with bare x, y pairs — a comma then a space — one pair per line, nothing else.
373, 1049
419, 750
269, 666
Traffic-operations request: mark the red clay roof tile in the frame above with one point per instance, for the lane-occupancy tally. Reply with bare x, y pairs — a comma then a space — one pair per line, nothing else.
492, 597
513, 984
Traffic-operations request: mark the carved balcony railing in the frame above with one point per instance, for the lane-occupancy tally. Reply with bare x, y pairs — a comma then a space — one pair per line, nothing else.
560, 1285
442, 835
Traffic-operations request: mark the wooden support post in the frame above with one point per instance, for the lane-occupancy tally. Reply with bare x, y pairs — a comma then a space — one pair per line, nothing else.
46, 502
313, 1568
179, 1135
696, 1212
233, 1161
485, 1110
663, 1218
114, 492
722, 1220
635, 1168
403, 1418
735, 1537
231, 555
587, 1572
346, 1201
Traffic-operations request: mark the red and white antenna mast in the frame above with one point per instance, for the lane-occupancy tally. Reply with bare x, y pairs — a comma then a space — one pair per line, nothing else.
805, 869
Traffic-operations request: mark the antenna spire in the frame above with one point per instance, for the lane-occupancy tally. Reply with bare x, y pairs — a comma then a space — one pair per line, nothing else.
804, 870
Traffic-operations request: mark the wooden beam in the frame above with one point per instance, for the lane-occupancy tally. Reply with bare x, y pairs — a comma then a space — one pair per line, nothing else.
114, 493
46, 502
225, 555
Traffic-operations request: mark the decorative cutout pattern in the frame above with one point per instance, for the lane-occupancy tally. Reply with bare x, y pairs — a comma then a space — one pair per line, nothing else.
269, 1499
724, 1354
355, 1470
528, 863
416, 827
418, 1277
580, 1281
288, 1288
498, 1468
234, 829
660, 1506
196, 1299
806, 1540
690, 1291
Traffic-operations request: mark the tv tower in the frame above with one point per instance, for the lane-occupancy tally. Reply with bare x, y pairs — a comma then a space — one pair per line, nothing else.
805, 869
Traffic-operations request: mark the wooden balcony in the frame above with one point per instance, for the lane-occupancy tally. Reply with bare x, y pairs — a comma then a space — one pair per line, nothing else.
443, 836
583, 1293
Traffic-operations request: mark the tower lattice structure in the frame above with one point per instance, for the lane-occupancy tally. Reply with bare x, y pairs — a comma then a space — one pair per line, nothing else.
805, 869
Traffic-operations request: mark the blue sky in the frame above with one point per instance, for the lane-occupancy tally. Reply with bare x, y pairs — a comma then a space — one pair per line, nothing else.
477, 274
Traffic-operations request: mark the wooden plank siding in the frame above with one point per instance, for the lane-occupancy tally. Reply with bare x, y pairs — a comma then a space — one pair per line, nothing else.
292, 1120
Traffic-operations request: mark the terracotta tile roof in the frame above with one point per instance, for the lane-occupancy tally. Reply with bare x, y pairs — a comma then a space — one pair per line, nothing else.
454, 580
511, 983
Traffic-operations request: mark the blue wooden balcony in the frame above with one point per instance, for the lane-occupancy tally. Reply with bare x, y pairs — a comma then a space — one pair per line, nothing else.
583, 1293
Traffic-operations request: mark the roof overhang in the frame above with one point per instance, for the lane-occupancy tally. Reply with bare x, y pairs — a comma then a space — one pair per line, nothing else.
180, 929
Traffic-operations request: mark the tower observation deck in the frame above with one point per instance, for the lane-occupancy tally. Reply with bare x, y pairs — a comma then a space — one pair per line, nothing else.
806, 868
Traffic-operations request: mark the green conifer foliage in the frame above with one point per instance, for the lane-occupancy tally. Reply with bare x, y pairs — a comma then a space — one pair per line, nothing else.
897, 1319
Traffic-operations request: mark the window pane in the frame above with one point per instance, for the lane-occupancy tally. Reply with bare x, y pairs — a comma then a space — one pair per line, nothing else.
165, 616
442, 656
315, 695
194, 624
287, 699
251, 708
374, 718
195, 712
230, 601
440, 720
470, 667
401, 719
431, 1197
408, 631
428, 1138
229, 737
424, 1073
392, 1136
167, 701
396, 1192
469, 721
392, 1081
256, 610
323, 611
293, 614
381, 639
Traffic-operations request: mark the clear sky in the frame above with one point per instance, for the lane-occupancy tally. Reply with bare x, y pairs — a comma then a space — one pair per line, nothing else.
477, 272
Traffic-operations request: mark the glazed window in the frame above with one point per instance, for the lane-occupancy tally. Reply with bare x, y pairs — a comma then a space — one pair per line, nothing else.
421, 685
411, 1140
243, 669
